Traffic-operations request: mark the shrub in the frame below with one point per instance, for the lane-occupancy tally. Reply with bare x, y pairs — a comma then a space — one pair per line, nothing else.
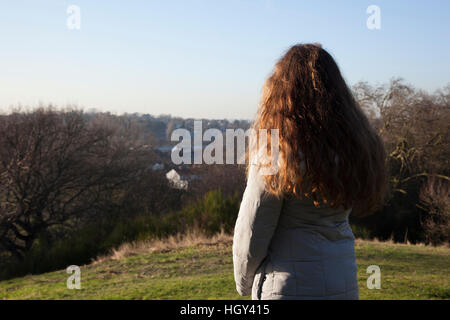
435, 199
210, 214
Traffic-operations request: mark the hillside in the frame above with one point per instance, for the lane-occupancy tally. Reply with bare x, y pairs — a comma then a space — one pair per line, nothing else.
203, 270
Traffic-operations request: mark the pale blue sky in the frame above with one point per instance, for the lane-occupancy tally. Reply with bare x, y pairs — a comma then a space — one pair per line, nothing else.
205, 58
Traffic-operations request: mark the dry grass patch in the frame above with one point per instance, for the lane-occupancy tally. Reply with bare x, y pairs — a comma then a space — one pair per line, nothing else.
360, 242
180, 240
197, 237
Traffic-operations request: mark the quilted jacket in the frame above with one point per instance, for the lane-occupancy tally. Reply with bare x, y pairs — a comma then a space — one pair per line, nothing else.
289, 249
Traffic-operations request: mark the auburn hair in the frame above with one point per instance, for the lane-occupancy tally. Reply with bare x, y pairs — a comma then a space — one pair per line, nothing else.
328, 151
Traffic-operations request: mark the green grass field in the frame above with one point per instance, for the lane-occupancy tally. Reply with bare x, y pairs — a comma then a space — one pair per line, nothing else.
206, 272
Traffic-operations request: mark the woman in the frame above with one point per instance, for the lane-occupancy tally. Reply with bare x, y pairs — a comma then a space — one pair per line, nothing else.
292, 238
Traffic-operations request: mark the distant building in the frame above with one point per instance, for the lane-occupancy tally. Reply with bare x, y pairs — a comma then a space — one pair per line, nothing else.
164, 148
158, 166
176, 181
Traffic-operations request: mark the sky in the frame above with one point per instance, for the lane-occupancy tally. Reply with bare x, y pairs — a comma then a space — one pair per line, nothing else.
209, 58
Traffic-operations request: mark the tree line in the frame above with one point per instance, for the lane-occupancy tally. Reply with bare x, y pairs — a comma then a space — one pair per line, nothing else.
75, 184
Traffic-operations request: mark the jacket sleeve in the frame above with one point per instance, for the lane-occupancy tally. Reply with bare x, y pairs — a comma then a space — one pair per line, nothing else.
255, 226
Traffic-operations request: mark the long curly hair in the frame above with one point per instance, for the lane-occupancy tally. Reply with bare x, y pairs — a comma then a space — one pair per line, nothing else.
328, 151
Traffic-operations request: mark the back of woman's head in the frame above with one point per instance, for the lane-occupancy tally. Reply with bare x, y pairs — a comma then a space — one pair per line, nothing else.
327, 147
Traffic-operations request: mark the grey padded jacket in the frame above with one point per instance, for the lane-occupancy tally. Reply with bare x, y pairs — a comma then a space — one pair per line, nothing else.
289, 249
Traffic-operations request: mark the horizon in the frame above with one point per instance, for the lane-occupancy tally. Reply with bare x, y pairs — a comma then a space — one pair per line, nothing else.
205, 60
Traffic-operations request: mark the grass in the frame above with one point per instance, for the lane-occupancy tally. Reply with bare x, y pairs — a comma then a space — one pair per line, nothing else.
204, 270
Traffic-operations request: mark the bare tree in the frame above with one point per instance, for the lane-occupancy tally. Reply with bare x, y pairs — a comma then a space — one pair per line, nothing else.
56, 170
435, 199
414, 126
